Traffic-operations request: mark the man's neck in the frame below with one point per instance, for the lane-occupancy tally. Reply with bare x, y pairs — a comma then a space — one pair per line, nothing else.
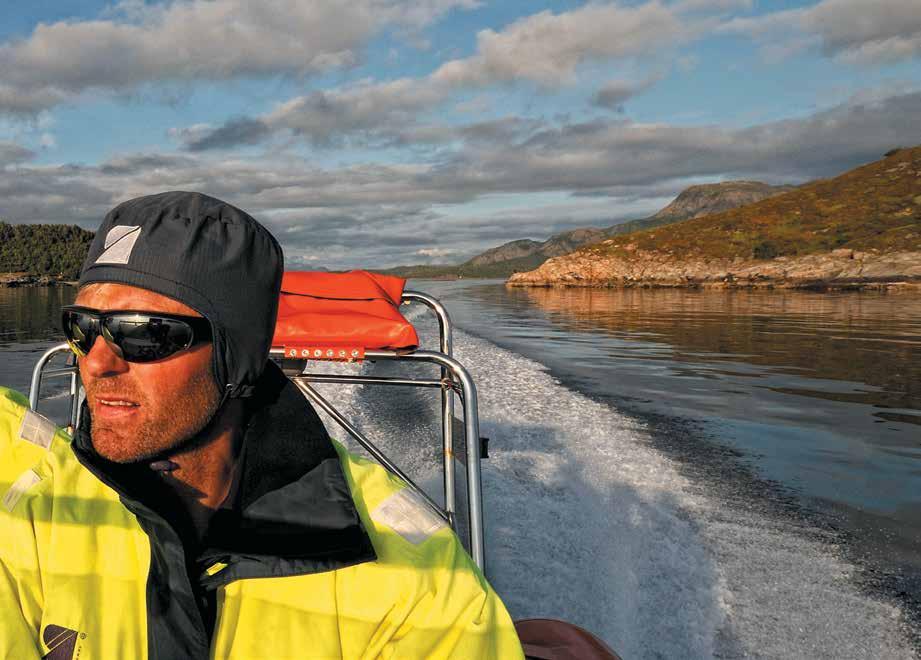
205, 471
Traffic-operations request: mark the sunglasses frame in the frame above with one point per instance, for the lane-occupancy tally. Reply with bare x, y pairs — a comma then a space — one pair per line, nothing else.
199, 327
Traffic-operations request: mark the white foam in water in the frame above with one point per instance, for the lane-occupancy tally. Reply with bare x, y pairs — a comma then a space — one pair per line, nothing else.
587, 522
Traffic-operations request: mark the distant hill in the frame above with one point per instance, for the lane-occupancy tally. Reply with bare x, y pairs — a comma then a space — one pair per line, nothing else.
710, 198
525, 254
701, 200
866, 223
55, 250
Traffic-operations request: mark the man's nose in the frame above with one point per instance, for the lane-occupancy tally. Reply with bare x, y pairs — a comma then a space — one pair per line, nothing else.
102, 361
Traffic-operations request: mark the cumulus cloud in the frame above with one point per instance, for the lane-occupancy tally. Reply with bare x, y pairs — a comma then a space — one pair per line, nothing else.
710, 5
615, 93
547, 48
852, 30
234, 132
10, 153
867, 31
434, 254
196, 40
371, 111
382, 215
321, 117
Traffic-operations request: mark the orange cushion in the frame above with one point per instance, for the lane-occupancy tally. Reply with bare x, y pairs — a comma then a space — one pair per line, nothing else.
357, 310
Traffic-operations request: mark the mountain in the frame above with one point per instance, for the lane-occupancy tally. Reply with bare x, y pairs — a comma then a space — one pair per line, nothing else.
710, 198
526, 254
513, 250
701, 200
860, 228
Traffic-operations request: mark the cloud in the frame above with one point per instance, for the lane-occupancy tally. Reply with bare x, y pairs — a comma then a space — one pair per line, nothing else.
370, 112
851, 30
711, 5
382, 215
615, 93
883, 30
547, 48
196, 40
237, 131
323, 117
10, 153
434, 252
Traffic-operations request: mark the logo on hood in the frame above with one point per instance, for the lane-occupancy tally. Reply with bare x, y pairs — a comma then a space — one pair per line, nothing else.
119, 243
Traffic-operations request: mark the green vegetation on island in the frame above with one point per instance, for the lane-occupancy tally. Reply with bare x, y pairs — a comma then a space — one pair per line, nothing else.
56, 251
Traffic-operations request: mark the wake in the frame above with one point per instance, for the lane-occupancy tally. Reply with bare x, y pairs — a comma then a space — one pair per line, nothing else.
585, 521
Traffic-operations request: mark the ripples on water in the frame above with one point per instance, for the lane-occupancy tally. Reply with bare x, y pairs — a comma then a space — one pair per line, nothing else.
820, 392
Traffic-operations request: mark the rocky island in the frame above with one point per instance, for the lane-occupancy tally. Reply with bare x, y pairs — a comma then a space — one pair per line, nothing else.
41, 255
861, 229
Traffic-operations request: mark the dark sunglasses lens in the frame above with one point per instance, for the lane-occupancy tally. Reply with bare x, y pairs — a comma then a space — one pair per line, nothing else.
142, 338
80, 330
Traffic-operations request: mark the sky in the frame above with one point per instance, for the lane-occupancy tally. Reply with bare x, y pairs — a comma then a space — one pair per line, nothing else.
376, 133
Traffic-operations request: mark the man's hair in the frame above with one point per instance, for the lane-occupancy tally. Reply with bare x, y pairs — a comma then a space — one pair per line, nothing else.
207, 254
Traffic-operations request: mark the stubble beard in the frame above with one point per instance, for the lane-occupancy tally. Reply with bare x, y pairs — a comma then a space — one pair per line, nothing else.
162, 431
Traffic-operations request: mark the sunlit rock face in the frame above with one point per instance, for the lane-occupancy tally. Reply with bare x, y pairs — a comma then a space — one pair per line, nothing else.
837, 269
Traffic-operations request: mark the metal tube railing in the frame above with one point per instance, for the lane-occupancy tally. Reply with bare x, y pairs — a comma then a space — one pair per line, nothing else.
344, 379
458, 374
447, 399
39, 373
472, 432
317, 398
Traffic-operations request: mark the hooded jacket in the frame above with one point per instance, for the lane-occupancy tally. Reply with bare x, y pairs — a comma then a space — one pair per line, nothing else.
321, 555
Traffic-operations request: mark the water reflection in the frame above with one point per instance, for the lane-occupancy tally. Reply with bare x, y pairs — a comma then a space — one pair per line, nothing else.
868, 338
31, 314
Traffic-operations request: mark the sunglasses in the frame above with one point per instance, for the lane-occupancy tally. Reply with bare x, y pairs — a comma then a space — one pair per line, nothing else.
133, 336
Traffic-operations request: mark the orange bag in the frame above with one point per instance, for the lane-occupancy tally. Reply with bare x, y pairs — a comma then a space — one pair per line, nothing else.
340, 315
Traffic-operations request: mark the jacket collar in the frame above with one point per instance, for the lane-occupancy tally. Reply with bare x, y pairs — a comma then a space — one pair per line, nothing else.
293, 512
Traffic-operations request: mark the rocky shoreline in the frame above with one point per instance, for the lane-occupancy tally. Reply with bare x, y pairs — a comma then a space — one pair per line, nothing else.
23, 280
839, 269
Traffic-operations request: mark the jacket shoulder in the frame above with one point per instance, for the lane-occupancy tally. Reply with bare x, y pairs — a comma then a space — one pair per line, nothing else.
26, 437
433, 601
396, 517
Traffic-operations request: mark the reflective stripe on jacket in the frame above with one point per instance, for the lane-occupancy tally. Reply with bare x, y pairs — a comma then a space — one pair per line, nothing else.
76, 578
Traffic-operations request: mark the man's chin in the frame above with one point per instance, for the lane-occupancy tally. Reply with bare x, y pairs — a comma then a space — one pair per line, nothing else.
119, 448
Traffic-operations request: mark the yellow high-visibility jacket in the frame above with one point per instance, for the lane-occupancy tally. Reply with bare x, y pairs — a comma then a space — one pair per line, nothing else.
340, 561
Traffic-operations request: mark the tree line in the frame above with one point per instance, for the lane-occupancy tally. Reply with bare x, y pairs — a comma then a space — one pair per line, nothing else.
55, 250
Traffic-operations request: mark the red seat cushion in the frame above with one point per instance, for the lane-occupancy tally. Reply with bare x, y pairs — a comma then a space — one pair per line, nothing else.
327, 312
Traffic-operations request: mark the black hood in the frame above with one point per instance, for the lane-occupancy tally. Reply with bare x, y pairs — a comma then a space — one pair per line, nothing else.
208, 255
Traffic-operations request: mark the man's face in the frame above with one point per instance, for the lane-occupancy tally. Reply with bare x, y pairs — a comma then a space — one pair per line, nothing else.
141, 410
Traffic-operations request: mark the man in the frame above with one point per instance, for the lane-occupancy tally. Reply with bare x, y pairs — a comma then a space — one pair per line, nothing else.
201, 510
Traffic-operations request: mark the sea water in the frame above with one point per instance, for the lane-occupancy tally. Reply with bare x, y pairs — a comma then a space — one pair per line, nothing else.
657, 463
